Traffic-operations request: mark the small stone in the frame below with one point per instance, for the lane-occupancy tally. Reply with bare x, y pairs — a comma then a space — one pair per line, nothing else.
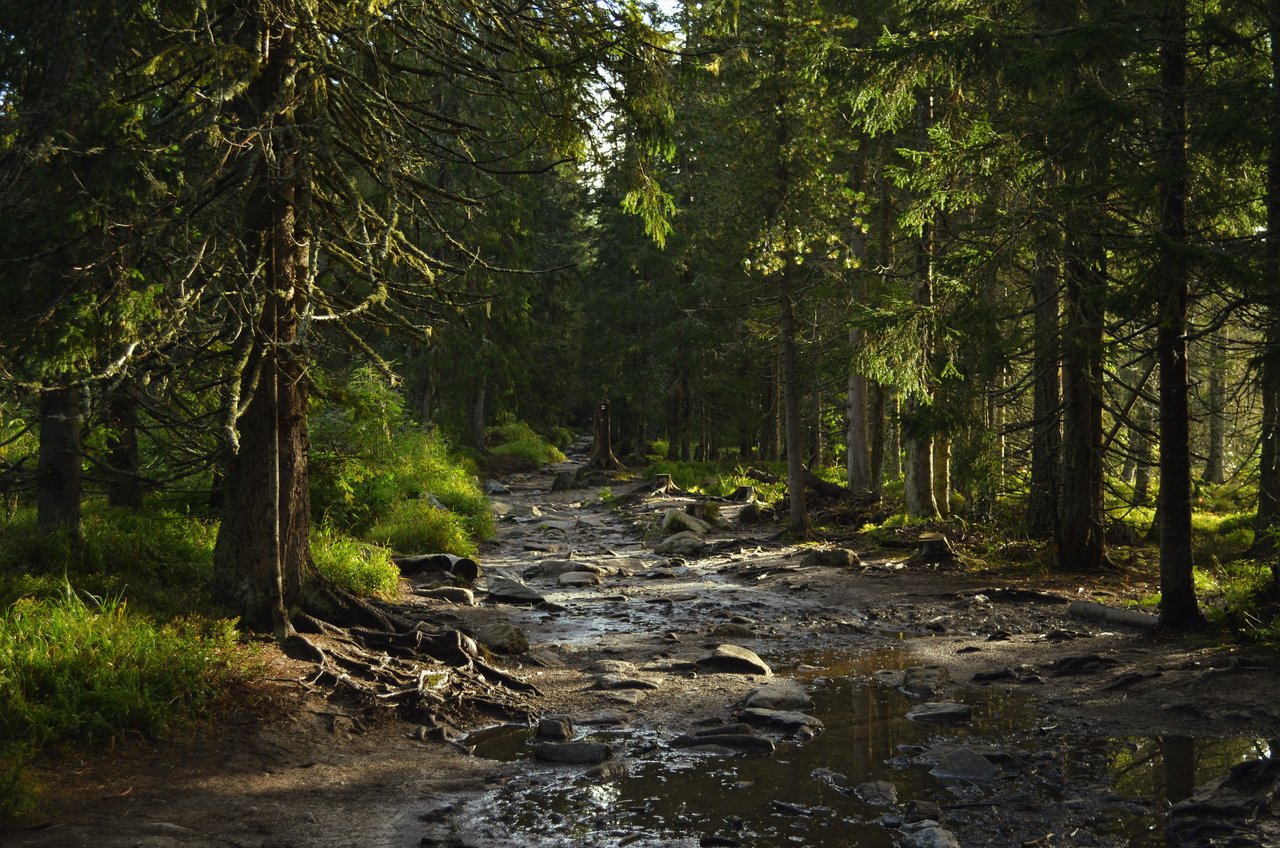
965, 764
931, 835
790, 720
580, 578
832, 558
573, 752
733, 659
944, 712
877, 793
452, 594
493, 487
556, 728
611, 667
778, 695
502, 637
924, 681
625, 697
606, 771
922, 810
733, 631
735, 741
676, 520
506, 590
685, 543
621, 681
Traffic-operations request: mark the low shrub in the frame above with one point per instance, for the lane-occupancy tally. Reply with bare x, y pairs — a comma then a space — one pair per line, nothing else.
361, 568
517, 439
419, 527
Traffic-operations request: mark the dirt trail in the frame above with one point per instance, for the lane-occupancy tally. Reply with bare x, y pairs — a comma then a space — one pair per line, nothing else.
1071, 739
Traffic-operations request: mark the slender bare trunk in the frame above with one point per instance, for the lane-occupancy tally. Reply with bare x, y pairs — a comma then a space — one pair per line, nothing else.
58, 463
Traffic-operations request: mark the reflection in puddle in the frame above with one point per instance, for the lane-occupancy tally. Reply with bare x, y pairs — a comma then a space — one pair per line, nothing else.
808, 794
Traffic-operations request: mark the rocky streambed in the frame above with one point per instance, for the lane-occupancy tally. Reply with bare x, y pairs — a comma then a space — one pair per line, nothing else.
699, 682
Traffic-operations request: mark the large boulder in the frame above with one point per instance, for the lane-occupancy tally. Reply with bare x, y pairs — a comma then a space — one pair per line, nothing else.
684, 543
778, 695
677, 520
503, 637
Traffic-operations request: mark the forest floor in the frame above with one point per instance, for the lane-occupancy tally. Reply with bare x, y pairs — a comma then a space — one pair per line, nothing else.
1078, 733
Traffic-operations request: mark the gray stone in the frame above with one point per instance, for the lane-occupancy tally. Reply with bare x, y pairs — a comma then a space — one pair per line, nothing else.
733, 659
493, 487
525, 512
624, 697
924, 681
778, 695
611, 667
790, 720
922, 810
556, 728
733, 631
452, 594
832, 558
965, 764
606, 771
500, 509
605, 718
735, 741
580, 578
943, 712
622, 681
929, 834
577, 753
503, 637
677, 520
877, 793
553, 568
685, 543
506, 590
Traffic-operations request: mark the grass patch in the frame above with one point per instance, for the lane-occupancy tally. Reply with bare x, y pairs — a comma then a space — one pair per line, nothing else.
77, 671
419, 527
517, 439
722, 478
361, 568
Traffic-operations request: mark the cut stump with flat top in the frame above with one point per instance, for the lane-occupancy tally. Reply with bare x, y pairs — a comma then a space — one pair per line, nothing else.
934, 550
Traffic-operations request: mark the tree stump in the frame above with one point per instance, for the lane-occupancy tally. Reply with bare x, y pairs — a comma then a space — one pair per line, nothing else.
934, 550
602, 440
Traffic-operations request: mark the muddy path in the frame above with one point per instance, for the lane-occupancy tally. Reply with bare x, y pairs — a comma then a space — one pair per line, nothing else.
859, 703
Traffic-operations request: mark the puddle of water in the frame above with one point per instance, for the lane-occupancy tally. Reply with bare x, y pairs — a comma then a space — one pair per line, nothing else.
678, 797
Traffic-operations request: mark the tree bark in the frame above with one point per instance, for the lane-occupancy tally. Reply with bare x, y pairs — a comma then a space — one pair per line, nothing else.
1215, 467
1268, 521
799, 519
1080, 517
942, 474
877, 435
917, 489
1046, 436
602, 439
262, 554
1178, 607
124, 486
58, 464
857, 457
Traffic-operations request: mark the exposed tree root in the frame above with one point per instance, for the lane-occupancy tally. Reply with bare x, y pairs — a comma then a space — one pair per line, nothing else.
403, 665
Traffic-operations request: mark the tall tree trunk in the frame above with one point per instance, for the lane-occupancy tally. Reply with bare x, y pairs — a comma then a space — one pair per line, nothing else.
1215, 466
942, 474
857, 457
799, 521
893, 434
1267, 525
1080, 510
479, 415
918, 489
1046, 436
262, 553
1178, 607
124, 487
58, 463
877, 435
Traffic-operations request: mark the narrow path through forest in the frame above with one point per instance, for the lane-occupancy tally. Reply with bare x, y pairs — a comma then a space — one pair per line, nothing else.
862, 700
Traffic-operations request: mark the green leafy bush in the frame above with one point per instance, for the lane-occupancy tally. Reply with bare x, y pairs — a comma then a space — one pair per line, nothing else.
418, 526
520, 440
368, 461
361, 568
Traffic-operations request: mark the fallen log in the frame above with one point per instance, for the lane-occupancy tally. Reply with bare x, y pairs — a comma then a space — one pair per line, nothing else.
1093, 611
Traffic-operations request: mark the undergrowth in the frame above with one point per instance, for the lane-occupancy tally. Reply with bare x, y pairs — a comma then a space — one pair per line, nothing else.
518, 439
